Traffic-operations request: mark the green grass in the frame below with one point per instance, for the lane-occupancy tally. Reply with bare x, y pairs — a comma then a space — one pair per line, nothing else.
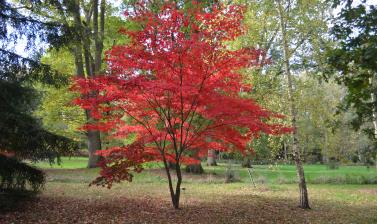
315, 174
66, 163
273, 174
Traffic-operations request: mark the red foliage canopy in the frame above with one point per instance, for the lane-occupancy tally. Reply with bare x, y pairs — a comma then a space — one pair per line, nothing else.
175, 88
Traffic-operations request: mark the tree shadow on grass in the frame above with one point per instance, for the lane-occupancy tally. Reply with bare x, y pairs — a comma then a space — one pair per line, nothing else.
14, 200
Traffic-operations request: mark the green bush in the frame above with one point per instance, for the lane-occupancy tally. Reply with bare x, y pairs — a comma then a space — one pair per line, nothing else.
16, 175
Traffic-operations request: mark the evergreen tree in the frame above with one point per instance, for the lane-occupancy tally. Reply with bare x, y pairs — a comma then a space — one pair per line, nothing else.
22, 135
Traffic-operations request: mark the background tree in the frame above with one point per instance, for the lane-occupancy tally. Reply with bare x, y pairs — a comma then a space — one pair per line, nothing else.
86, 22
87, 49
261, 34
353, 60
67, 120
292, 35
308, 18
56, 110
284, 16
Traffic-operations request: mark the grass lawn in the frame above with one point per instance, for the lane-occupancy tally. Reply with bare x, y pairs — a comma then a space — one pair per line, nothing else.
66, 163
206, 199
272, 174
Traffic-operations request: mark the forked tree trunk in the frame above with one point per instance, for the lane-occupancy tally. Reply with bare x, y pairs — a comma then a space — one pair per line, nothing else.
175, 195
304, 200
211, 158
177, 187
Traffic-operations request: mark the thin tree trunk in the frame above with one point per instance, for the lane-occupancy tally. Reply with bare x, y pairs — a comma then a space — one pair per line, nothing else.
211, 158
170, 181
373, 97
375, 125
285, 152
178, 186
326, 151
304, 200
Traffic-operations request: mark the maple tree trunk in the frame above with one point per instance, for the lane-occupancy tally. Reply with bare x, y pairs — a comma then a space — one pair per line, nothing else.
178, 186
211, 158
175, 196
304, 199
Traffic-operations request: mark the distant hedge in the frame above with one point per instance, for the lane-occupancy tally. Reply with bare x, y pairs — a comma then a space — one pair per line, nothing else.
16, 175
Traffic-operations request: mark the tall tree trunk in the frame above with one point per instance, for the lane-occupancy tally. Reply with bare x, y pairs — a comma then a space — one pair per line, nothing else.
373, 97
304, 200
94, 144
211, 158
93, 138
92, 65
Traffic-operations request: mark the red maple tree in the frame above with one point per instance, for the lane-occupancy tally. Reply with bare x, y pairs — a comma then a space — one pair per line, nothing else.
175, 89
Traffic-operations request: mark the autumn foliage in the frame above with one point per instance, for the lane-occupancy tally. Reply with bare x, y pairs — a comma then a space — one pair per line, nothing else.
175, 90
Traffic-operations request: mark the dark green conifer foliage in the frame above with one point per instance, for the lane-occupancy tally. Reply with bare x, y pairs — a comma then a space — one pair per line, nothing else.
20, 132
